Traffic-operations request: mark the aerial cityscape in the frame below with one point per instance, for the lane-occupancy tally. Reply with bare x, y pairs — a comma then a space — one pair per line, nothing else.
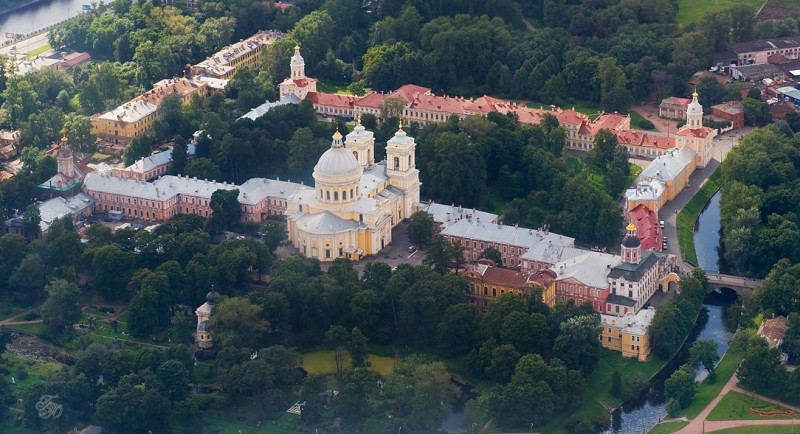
399, 216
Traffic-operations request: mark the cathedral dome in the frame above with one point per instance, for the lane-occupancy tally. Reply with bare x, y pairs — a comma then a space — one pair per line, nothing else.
631, 240
337, 163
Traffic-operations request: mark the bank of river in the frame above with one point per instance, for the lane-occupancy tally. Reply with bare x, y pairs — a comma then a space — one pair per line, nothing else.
38, 15
640, 415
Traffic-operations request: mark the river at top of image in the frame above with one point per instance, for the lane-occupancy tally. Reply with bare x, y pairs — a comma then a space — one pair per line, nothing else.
40, 15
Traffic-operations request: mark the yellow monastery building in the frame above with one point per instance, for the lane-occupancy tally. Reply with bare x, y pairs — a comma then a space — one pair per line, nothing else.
628, 334
355, 202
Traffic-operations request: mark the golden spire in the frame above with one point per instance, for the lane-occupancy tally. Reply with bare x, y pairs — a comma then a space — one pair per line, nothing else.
631, 227
401, 125
64, 139
337, 134
694, 94
359, 120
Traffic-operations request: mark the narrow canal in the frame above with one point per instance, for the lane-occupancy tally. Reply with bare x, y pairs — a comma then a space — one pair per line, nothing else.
640, 415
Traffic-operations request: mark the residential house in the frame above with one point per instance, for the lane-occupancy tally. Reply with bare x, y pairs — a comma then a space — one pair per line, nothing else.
487, 282
750, 52
627, 334
731, 111
673, 107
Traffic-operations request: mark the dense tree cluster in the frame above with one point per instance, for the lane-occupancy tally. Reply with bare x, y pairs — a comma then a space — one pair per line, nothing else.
674, 320
759, 205
461, 161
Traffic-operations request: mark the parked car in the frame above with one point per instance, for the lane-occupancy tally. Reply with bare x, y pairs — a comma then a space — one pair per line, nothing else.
661, 223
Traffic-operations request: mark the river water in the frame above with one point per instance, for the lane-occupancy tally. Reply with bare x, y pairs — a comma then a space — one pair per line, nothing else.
642, 414
40, 15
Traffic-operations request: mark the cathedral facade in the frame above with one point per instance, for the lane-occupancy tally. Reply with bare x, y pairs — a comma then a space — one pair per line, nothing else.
355, 202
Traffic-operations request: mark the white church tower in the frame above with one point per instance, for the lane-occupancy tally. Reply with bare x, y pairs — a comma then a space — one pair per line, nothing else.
297, 83
362, 144
402, 170
297, 64
694, 113
694, 135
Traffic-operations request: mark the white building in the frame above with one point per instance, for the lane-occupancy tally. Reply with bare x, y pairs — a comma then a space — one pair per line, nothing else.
355, 202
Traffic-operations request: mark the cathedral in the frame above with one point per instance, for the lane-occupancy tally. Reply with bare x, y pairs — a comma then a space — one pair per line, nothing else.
355, 202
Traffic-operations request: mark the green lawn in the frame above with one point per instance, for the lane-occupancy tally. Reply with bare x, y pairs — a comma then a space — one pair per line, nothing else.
322, 362
8, 309
598, 388
706, 391
736, 406
243, 419
28, 328
692, 11
792, 6
689, 214
669, 427
39, 50
762, 429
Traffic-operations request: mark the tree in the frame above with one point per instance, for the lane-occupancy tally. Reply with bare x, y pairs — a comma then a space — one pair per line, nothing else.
179, 156
357, 347
61, 309
681, 386
31, 218
78, 129
457, 333
616, 384
175, 378
202, 168
142, 320
577, 344
337, 337
354, 396
432, 394
226, 210
791, 341
237, 322
756, 112
704, 352
29, 279
111, 270
420, 228
443, 254
711, 92
493, 254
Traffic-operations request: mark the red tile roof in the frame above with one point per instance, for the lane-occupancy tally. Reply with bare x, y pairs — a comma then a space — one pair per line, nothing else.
701, 132
571, 117
409, 91
647, 227
73, 59
645, 140
372, 99
332, 99
674, 100
610, 121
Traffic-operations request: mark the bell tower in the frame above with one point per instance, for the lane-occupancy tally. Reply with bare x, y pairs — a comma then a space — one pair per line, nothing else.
298, 64
362, 144
402, 170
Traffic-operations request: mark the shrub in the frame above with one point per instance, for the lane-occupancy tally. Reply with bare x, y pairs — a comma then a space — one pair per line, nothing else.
30, 315
601, 422
635, 385
577, 425
22, 373
646, 124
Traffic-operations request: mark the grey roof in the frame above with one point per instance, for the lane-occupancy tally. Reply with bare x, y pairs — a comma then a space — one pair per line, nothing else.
373, 176
158, 159
261, 110
758, 71
551, 254
645, 190
251, 192
591, 268
635, 324
669, 165
325, 223
448, 214
765, 44
56, 208
501, 234
618, 299
634, 272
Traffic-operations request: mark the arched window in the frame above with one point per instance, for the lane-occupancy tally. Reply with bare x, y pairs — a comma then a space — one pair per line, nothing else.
335, 196
396, 163
320, 193
409, 161
328, 195
355, 154
351, 193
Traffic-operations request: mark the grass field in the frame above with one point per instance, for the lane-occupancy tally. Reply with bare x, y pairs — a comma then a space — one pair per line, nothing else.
28, 328
736, 406
689, 214
322, 362
692, 11
666, 428
706, 391
39, 50
598, 388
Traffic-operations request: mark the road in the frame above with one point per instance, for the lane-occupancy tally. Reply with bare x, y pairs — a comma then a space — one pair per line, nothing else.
26, 45
722, 145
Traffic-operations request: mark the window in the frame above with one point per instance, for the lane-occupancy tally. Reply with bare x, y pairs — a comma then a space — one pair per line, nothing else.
609, 338
341, 251
632, 347
327, 253
328, 195
335, 196
396, 163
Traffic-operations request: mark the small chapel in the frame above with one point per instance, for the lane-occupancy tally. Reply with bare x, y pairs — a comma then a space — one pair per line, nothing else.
355, 201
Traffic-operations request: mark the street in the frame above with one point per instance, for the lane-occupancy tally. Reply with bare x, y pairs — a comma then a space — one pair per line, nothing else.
722, 145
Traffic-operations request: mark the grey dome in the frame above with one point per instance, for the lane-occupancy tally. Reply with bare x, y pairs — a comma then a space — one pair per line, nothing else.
212, 296
337, 162
631, 241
